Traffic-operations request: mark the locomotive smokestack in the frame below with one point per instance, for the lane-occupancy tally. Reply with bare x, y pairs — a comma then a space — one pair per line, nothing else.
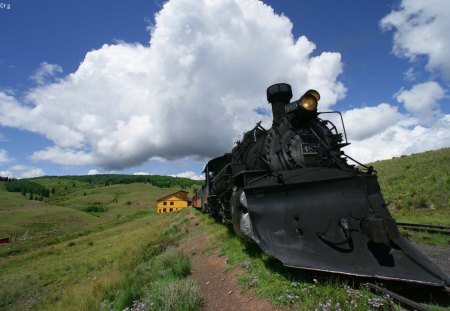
279, 95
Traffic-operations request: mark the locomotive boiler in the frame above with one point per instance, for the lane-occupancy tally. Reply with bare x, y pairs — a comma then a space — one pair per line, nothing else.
290, 189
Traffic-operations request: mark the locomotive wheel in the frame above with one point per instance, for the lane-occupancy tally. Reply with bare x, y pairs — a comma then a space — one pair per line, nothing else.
240, 217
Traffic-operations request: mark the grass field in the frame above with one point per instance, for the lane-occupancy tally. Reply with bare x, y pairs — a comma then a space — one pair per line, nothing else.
69, 259
417, 187
85, 272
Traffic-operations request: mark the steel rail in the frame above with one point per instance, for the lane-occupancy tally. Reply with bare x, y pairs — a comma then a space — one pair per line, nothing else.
425, 227
405, 302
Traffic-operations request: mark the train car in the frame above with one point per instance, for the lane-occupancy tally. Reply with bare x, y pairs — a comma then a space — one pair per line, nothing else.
291, 190
197, 199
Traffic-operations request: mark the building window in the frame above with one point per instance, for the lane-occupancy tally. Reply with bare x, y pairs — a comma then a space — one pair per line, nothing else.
164, 203
164, 210
171, 210
171, 203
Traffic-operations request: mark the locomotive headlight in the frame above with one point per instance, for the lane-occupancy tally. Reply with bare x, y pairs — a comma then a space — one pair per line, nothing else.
309, 103
309, 100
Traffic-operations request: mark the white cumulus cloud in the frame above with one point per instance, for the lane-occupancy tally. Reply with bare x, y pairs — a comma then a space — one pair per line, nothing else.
190, 174
45, 73
362, 123
421, 29
382, 132
401, 139
6, 174
422, 100
22, 171
3, 156
190, 93
32, 172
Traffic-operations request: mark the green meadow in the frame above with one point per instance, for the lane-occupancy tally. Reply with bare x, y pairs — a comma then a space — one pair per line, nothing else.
67, 257
417, 187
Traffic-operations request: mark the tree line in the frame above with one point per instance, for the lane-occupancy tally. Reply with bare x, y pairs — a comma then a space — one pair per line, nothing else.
32, 189
114, 179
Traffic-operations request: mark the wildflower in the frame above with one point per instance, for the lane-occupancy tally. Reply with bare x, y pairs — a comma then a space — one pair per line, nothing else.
375, 302
292, 297
353, 292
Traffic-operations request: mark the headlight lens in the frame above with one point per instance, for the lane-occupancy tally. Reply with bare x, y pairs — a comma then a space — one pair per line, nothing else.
309, 100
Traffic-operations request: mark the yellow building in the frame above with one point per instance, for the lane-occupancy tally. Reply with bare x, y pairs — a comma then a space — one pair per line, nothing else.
173, 202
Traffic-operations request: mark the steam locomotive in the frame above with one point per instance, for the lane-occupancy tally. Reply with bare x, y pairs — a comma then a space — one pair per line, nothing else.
290, 189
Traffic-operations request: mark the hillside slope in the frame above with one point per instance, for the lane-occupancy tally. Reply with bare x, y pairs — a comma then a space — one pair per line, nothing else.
417, 187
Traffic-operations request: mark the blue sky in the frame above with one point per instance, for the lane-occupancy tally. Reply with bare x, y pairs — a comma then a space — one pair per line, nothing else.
161, 87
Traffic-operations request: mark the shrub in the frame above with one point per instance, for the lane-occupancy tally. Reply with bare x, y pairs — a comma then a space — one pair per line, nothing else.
179, 294
94, 209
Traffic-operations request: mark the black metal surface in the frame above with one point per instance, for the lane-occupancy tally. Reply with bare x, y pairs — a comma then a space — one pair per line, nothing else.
300, 223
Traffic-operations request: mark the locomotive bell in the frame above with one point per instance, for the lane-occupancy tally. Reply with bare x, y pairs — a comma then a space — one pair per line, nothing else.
279, 95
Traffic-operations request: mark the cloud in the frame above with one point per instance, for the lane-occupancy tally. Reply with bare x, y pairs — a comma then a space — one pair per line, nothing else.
3, 138
383, 132
6, 174
32, 172
67, 156
141, 173
422, 100
22, 171
420, 29
401, 139
45, 73
93, 172
3, 156
190, 93
190, 174
362, 123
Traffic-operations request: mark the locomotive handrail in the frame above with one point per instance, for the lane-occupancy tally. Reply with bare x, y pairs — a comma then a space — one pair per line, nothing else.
342, 121
369, 169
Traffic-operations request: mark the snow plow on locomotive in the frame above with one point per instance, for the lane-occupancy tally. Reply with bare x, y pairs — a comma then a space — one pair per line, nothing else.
290, 190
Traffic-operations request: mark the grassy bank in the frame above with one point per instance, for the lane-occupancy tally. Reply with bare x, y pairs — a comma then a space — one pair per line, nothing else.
417, 187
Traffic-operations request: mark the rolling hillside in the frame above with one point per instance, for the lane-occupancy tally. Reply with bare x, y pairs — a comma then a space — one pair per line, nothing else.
66, 257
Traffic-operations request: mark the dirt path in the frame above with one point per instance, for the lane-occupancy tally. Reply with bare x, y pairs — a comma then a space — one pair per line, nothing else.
219, 288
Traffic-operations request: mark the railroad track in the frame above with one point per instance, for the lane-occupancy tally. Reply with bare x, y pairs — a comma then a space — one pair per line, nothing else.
425, 227
402, 300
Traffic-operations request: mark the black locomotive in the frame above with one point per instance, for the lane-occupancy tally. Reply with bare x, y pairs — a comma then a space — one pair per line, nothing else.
290, 190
